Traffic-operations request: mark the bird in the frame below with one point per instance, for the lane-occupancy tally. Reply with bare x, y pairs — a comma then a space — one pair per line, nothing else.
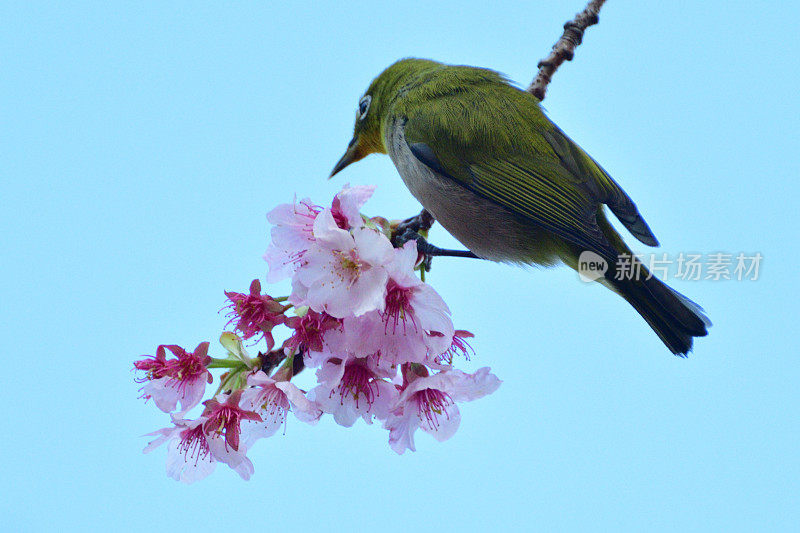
485, 161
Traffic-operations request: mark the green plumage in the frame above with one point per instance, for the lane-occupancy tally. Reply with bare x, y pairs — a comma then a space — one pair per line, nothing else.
483, 158
525, 162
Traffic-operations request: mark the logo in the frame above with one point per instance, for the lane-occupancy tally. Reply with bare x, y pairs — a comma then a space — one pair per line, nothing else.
591, 266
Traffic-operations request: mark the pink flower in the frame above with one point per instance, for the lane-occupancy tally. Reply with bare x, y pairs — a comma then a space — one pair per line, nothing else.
428, 402
415, 322
309, 332
362, 315
271, 399
347, 204
227, 418
191, 452
344, 272
459, 346
350, 389
176, 380
292, 235
255, 313
155, 366
188, 457
293, 231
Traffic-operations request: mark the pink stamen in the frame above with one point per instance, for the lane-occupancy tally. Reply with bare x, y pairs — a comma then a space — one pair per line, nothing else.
340, 220
458, 346
194, 443
357, 382
226, 418
309, 331
255, 314
398, 308
432, 403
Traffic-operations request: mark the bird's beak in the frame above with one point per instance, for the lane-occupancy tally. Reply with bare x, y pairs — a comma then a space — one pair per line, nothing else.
352, 155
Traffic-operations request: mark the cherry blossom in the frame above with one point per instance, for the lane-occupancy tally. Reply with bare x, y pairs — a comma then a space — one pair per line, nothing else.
415, 322
292, 234
309, 332
155, 366
344, 272
429, 403
189, 458
271, 398
255, 314
353, 388
358, 313
347, 204
226, 417
191, 452
459, 346
182, 379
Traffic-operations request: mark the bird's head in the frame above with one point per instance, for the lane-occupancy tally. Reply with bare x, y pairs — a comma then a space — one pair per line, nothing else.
373, 109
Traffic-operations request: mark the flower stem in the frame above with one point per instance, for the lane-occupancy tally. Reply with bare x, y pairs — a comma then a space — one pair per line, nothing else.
224, 363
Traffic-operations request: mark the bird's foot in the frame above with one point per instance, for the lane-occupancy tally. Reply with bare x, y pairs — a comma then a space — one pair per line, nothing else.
416, 229
420, 223
426, 249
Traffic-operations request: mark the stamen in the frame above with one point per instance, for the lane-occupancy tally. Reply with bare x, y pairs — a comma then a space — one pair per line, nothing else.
398, 308
357, 382
432, 403
194, 443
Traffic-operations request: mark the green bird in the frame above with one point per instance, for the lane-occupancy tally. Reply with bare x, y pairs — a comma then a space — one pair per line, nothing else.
481, 157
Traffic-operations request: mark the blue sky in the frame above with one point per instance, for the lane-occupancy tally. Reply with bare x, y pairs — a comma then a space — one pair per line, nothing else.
143, 143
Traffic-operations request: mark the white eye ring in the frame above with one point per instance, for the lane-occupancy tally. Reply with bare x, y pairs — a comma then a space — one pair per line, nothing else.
363, 107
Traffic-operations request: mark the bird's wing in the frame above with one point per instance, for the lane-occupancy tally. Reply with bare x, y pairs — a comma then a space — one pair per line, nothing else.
548, 179
538, 189
527, 192
579, 164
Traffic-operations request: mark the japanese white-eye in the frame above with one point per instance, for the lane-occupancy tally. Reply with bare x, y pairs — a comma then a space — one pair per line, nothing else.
481, 156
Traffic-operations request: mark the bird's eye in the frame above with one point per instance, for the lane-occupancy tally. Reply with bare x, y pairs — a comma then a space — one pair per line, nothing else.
363, 107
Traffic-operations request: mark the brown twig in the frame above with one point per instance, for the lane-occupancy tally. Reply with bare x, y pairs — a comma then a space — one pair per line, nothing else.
564, 49
271, 360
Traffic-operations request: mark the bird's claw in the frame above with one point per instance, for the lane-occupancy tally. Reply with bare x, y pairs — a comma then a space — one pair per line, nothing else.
420, 223
416, 229
423, 246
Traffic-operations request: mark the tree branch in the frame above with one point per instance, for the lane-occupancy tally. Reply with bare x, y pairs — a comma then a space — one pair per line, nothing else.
564, 49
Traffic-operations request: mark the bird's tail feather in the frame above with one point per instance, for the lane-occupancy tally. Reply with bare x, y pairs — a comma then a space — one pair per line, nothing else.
675, 318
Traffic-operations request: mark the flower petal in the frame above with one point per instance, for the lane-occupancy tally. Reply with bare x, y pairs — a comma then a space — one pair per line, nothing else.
401, 431
373, 247
349, 201
188, 467
468, 387
330, 235
442, 425
305, 410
